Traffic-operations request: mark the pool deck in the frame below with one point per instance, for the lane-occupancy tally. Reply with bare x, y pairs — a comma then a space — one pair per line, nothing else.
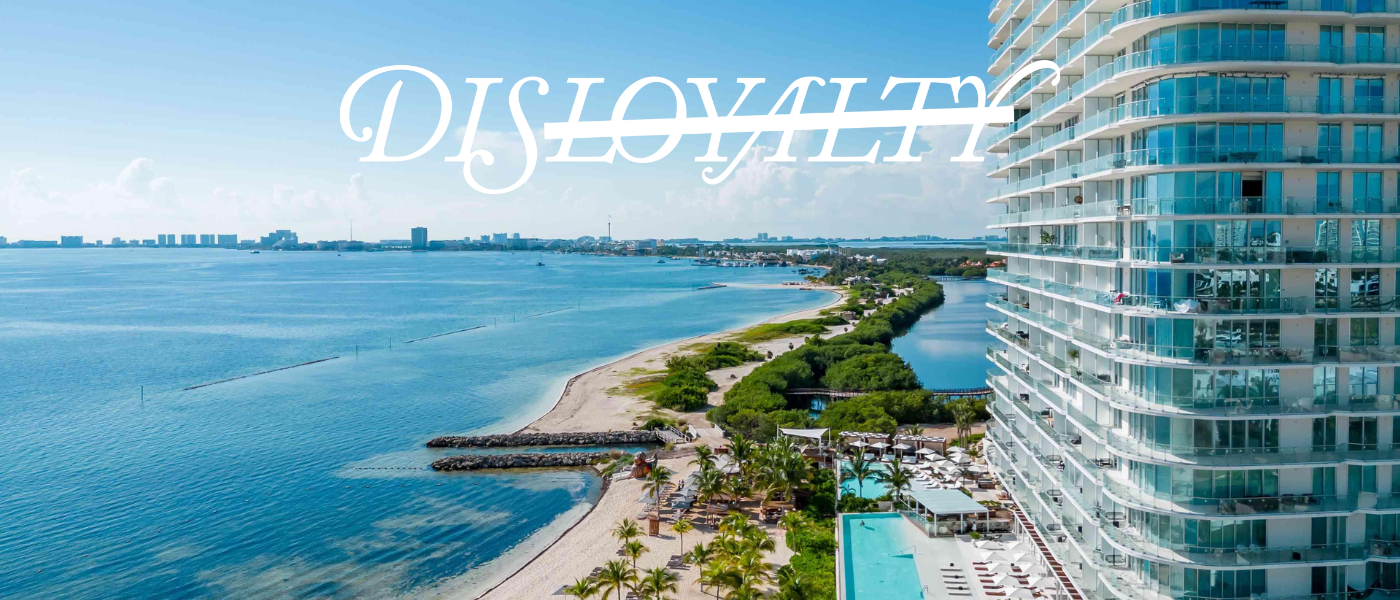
930, 557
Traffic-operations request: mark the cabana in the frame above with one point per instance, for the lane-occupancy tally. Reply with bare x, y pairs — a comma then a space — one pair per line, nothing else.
817, 435
947, 506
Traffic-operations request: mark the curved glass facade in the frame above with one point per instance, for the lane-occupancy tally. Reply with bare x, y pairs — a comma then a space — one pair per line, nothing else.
1198, 337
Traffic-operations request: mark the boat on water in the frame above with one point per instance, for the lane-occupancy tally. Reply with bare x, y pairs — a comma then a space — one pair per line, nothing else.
540, 262
661, 261
256, 252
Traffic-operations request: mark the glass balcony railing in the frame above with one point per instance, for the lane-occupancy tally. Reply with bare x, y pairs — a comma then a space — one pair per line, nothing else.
1074, 211
1108, 253
1199, 54
1137, 449
1185, 504
1237, 407
1156, 8
1005, 17
1262, 206
1200, 155
1199, 105
1264, 255
1246, 555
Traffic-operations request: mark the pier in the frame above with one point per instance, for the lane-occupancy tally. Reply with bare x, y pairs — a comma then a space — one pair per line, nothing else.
600, 438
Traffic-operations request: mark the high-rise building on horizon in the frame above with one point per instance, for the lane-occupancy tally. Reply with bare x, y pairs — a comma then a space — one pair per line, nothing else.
1194, 354
420, 238
70, 241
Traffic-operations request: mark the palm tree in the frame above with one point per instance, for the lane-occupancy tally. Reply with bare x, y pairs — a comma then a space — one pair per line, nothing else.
792, 586
915, 429
704, 457
743, 451
792, 521
964, 415
700, 555
681, 526
627, 530
656, 482
656, 582
634, 550
711, 483
715, 575
897, 477
615, 576
583, 589
858, 469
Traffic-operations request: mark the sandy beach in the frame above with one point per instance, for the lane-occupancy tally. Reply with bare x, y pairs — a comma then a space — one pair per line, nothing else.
596, 400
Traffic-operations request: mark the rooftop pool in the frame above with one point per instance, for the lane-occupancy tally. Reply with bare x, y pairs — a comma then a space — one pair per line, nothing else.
878, 558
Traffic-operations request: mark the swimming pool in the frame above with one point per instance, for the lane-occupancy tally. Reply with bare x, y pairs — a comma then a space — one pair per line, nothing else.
870, 488
877, 558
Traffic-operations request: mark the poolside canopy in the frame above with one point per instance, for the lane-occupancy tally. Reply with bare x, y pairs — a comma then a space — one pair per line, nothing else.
924, 451
859, 444
946, 502
810, 434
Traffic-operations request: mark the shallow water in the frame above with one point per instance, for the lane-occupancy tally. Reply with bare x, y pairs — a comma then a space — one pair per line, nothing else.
311, 481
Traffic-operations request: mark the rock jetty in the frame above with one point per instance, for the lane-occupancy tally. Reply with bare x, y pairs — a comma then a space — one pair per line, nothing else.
534, 460
595, 438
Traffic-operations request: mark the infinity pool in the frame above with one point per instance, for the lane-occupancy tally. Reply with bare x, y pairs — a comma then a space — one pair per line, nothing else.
878, 558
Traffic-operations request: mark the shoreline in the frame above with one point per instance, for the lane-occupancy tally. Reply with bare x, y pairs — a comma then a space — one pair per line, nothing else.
580, 394
576, 397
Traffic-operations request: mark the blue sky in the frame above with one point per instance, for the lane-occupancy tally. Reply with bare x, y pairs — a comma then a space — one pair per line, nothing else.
134, 119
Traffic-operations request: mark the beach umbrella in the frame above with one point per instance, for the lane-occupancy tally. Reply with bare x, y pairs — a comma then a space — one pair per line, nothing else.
1018, 556
903, 446
858, 444
987, 545
999, 569
1035, 571
880, 445
955, 449
1042, 582
1020, 592
977, 469
961, 459
924, 451
993, 556
1003, 580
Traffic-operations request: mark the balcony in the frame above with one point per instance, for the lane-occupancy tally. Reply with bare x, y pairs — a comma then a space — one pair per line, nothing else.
1284, 504
1305, 406
1244, 555
1199, 105
1180, 454
1102, 253
1263, 255
1180, 206
1181, 55
1200, 155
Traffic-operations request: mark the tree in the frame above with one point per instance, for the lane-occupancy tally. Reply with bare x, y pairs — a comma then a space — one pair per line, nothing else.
858, 469
583, 589
657, 480
711, 483
615, 576
700, 555
964, 414
792, 586
656, 582
634, 550
681, 526
704, 457
627, 530
897, 477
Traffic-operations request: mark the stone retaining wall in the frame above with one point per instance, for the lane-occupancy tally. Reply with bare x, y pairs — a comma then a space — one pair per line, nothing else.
598, 438
535, 460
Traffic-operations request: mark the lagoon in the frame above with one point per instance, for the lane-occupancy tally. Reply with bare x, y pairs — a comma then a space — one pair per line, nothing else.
947, 347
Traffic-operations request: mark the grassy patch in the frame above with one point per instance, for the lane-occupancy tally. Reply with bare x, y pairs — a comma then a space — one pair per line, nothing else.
773, 331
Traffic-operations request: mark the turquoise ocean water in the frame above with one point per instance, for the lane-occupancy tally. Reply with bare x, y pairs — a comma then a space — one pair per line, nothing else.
308, 482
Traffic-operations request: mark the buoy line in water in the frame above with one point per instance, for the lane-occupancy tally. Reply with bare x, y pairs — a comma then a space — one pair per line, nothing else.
310, 362
442, 334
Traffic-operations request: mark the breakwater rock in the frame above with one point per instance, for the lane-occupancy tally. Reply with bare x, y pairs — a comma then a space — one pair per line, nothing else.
536, 460
587, 438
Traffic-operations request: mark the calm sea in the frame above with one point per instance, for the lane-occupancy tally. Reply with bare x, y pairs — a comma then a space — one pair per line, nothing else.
948, 347
309, 482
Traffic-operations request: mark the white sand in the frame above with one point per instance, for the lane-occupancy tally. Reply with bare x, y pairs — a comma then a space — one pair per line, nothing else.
593, 401
590, 544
